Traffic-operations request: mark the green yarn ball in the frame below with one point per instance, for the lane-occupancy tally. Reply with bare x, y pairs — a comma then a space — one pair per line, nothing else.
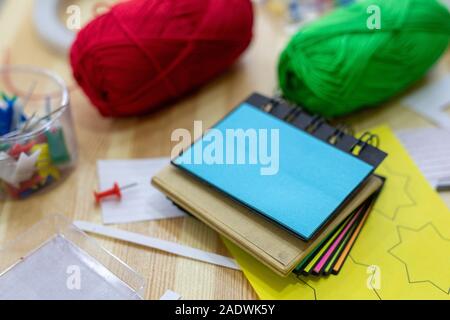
338, 64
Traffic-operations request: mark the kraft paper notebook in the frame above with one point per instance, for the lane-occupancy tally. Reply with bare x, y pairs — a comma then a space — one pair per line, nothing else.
309, 177
322, 184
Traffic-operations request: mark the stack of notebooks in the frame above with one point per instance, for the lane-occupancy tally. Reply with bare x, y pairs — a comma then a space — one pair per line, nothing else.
299, 212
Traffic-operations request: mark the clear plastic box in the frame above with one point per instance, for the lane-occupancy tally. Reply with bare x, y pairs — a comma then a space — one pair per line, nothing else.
54, 260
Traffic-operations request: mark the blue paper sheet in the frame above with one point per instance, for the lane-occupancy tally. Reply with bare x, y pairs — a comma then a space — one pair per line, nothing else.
301, 187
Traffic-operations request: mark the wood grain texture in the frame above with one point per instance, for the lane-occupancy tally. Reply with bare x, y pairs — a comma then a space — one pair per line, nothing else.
150, 137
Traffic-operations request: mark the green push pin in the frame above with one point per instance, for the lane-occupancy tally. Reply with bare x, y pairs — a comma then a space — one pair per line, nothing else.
57, 146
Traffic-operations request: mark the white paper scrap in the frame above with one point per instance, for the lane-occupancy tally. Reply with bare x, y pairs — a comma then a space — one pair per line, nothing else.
163, 245
141, 203
430, 149
431, 101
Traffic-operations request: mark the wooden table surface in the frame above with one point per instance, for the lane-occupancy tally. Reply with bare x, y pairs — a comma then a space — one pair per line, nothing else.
146, 137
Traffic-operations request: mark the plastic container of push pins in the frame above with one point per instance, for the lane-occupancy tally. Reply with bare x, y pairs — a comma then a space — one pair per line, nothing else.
38, 146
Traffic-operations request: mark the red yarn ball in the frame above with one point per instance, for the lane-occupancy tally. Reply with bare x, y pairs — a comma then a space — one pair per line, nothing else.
145, 53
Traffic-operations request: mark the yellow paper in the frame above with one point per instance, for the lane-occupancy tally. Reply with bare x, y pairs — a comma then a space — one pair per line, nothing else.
403, 251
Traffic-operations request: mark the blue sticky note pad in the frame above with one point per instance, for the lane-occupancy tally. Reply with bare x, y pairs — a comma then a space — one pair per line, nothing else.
278, 170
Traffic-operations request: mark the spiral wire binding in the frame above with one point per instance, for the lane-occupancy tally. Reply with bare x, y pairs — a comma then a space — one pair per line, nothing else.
340, 131
368, 138
315, 124
317, 121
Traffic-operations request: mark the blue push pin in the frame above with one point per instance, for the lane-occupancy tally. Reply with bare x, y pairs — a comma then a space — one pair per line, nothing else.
17, 118
6, 114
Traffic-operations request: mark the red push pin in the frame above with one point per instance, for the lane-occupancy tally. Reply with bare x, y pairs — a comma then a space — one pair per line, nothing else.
116, 192
18, 149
